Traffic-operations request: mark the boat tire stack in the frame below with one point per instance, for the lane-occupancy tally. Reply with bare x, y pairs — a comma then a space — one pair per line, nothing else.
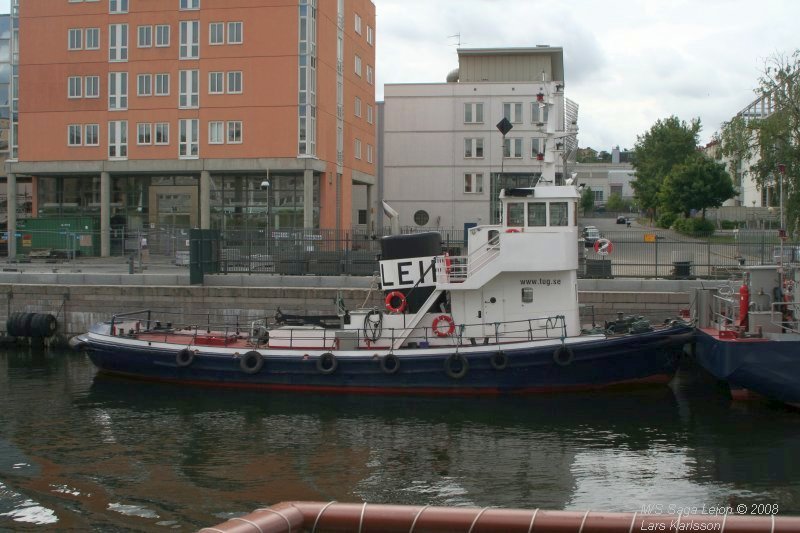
32, 325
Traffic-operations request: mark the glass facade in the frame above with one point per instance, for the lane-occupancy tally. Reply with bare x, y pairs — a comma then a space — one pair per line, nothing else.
246, 202
5, 84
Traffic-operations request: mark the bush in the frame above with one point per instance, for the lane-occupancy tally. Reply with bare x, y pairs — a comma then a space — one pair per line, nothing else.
665, 220
694, 227
731, 224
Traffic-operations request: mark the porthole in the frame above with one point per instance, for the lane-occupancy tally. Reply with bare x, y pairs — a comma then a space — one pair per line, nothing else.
421, 217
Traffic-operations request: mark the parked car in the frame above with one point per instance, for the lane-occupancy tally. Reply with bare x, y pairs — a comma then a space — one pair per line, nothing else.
590, 235
622, 220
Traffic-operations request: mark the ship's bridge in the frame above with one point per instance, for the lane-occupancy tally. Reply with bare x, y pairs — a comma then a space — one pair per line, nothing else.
538, 233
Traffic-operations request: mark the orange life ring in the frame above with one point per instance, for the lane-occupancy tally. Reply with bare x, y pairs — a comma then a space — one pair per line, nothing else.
451, 326
399, 308
512, 230
448, 265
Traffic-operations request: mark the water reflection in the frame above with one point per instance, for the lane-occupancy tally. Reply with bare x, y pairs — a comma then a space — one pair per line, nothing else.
113, 453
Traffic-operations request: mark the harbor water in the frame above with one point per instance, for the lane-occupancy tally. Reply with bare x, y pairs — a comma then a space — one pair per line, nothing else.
82, 452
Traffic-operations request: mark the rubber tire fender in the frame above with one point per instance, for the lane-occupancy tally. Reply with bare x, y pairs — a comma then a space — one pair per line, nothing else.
563, 355
327, 363
498, 360
390, 363
251, 362
184, 358
456, 359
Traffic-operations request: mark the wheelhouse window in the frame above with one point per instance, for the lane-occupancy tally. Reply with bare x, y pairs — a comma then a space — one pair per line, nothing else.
559, 214
537, 214
515, 214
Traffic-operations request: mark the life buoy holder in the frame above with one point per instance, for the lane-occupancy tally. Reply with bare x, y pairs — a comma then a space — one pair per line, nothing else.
184, 358
456, 366
563, 355
499, 360
390, 363
512, 230
451, 326
327, 363
390, 298
251, 362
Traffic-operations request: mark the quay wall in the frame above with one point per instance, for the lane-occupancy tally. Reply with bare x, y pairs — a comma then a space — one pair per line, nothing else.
78, 306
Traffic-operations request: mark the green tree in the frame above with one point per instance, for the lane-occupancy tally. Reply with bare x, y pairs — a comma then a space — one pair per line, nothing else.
604, 157
668, 143
778, 135
697, 183
587, 200
615, 203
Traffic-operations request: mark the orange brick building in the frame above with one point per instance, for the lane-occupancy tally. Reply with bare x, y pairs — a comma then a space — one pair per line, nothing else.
196, 113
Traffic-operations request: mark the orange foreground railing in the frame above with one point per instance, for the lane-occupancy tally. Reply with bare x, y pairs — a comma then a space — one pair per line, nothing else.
353, 517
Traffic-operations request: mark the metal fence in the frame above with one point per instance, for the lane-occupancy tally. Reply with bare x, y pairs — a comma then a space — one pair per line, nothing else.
636, 254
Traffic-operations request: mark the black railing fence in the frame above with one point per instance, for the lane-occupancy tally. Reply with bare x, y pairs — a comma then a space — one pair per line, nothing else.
299, 251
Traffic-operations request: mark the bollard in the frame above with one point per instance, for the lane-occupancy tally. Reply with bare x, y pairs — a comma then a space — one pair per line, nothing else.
130, 264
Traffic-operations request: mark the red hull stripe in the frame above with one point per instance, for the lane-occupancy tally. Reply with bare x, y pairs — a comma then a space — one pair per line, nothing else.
439, 391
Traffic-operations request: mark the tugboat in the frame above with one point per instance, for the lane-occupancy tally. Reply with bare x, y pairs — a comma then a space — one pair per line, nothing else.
501, 319
749, 336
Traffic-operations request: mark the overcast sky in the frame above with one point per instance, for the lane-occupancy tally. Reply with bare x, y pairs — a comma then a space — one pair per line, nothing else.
626, 63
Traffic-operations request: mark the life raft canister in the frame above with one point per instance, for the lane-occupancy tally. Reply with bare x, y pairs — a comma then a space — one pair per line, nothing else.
390, 302
451, 326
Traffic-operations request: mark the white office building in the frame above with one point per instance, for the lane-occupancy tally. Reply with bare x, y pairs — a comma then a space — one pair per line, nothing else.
444, 159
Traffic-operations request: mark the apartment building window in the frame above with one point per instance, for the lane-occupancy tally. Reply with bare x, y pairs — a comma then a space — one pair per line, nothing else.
74, 86
598, 195
235, 34
512, 147
539, 113
357, 149
538, 146
473, 113
216, 132
162, 132
370, 118
74, 135
370, 35
75, 39
189, 39
92, 39
357, 24
118, 42
162, 35
473, 148
307, 77
473, 182
513, 112
162, 84
91, 87
358, 65
370, 74
216, 33
369, 153
358, 107
92, 135
189, 89
144, 133
190, 4
118, 139
188, 135
234, 132
215, 83
235, 82
144, 85
117, 90
117, 6
145, 36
